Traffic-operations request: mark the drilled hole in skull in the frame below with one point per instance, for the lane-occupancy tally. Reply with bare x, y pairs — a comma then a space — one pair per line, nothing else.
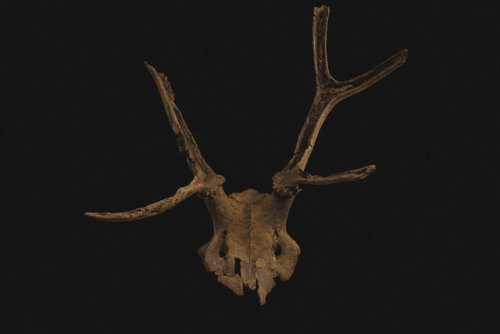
277, 250
237, 266
276, 244
222, 252
223, 246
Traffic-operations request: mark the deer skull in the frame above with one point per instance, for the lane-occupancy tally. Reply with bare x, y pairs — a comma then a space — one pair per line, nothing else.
250, 245
249, 229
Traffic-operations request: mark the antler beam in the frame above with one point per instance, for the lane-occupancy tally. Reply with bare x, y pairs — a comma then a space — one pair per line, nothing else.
329, 92
205, 179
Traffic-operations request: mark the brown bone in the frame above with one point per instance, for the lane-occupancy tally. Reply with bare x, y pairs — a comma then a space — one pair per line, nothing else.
250, 227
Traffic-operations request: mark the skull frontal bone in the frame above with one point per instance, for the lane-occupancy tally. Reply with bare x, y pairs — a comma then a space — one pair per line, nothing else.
250, 245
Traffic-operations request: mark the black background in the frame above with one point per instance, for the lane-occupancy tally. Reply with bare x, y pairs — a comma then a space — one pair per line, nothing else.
411, 249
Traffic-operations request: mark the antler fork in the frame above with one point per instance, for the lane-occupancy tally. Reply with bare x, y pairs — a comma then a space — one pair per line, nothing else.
329, 92
204, 178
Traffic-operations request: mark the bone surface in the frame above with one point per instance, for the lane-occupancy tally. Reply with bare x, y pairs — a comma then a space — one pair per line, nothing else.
250, 245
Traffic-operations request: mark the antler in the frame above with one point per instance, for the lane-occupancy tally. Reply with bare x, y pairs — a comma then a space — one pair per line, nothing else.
205, 179
329, 92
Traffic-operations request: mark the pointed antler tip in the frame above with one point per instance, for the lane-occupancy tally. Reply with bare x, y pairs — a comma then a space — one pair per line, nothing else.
403, 54
98, 216
320, 9
149, 67
92, 215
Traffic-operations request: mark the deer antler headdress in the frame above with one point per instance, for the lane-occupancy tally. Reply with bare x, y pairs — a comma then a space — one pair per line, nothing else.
250, 245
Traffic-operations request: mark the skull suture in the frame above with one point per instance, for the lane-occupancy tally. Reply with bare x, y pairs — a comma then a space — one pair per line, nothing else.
250, 245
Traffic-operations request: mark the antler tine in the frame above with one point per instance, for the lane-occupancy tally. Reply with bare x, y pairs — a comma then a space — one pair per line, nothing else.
152, 209
185, 140
329, 92
205, 179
